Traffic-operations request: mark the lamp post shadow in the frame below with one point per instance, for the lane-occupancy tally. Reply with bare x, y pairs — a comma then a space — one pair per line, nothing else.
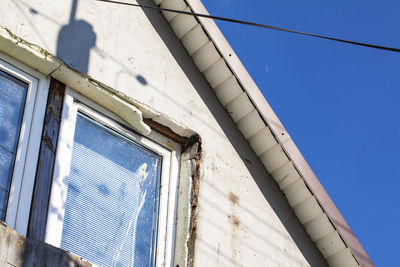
75, 40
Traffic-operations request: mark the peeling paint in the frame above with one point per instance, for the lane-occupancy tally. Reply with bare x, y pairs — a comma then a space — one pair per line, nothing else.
194, 146
187, 202
166, 131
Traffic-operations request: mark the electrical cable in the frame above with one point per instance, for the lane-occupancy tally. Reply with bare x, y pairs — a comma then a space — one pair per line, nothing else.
254, 24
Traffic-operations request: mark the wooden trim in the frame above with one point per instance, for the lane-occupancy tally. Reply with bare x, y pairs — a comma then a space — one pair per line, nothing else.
45, 167
165, 131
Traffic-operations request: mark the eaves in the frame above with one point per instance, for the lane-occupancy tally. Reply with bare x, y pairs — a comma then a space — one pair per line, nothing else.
269, 139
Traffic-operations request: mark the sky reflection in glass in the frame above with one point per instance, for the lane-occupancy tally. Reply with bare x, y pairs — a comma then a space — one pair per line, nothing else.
12, 102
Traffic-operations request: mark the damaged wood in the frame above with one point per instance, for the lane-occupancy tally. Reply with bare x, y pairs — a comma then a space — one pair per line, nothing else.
194, 146
166, 131
194, 139
47, 155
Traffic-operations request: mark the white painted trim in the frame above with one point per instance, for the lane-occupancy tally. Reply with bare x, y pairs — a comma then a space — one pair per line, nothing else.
16, 181
29, 142
28, 180
22, 66
172, 207
58, 196
168, 149
163, 211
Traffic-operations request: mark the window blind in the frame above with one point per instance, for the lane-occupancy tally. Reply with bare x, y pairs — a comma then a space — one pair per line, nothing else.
111, 209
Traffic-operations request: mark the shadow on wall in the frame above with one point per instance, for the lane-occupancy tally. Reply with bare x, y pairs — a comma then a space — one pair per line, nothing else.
75, 40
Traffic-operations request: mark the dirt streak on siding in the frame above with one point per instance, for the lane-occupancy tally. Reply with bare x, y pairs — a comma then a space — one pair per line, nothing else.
194, 144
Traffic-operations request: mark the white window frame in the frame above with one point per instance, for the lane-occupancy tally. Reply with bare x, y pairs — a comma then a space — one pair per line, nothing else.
168, 149
23, 179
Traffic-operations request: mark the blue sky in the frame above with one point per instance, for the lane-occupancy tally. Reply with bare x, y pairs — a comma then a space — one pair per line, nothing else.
339, 102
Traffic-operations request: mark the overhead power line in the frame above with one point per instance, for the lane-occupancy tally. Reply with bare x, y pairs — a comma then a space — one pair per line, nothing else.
254, 24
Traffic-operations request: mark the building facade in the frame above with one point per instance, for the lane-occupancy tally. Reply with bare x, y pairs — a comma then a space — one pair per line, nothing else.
133, 137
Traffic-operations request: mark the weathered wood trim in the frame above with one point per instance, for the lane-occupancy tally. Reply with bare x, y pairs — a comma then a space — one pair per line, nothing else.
166, 131
47, 155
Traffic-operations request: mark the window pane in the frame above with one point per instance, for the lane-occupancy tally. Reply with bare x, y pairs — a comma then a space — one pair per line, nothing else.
12, 102
112, 200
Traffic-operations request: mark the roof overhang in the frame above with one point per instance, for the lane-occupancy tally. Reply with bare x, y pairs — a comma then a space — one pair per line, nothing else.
258, 123
254, 117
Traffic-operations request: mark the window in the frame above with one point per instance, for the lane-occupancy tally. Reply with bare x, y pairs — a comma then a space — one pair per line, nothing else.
113, 196
12, 102
21, 118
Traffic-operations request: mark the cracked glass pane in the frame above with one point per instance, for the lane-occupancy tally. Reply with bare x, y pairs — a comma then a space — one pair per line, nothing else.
111, 210
12, 102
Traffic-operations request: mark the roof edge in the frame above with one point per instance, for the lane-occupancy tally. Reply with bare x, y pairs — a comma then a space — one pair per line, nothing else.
283, 137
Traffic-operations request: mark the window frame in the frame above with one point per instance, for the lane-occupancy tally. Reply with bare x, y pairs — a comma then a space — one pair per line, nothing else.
169, 151
24, 170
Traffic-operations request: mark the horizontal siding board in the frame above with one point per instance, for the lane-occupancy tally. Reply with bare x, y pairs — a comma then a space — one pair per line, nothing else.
343, 258
274, 158
319, 227
195, 39
182, 24
330, 244
206, 56
217, 73
297, 192
172, 4
262, 141
239, 107
308, 210
251, 124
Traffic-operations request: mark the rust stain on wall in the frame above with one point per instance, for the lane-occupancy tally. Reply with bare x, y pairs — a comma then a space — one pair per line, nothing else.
233, 198
234, 222
194, 144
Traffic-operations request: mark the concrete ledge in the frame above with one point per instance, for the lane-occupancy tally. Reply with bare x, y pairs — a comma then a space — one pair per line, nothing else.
17, 250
